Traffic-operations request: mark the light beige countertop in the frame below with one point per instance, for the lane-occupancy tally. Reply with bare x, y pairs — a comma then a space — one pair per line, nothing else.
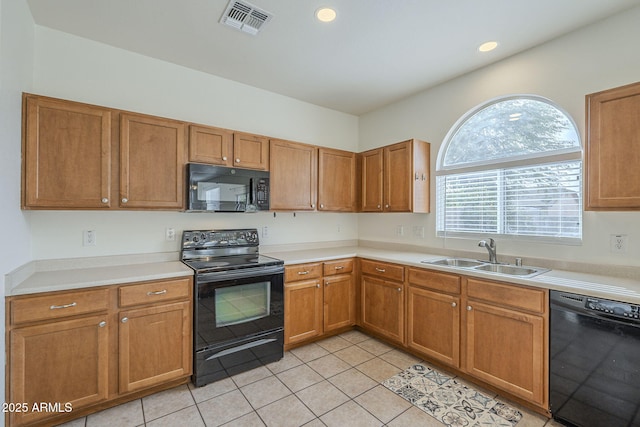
595, 285
76, 273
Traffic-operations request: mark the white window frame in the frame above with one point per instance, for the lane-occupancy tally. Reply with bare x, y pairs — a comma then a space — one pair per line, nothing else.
574, 154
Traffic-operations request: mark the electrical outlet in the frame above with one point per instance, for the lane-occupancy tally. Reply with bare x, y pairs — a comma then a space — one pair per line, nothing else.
400, 230
618, 243
89, 238
170, 234
418, 231
265, 232
339, 228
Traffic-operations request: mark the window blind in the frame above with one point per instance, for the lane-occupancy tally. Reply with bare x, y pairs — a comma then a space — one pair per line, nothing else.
539, 201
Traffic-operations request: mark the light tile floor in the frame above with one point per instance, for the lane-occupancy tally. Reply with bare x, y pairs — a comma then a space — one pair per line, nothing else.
333, 382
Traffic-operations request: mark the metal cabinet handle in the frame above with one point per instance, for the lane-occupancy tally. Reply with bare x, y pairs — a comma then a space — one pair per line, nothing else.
224, 158
317, 285
313, 205
424, 178
56, 307
453, 304
340, 267
380, 270
378, 206
321, 205
417, 178
237, 160
469, 308
386, 206
164, 291
102, 324
399, 289
105, 200
327, 283
302, 273
125, 200
124, 320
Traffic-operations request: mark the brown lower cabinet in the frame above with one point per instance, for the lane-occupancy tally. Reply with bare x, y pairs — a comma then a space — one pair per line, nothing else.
492, 331
319, 298
505, 336
85, 348
382, 299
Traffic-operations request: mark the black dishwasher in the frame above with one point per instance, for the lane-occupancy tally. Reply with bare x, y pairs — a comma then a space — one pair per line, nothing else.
594, 372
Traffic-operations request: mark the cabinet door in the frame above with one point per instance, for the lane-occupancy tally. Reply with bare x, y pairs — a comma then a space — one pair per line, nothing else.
372, 165
383, 307
336, 180
612, 154
433, 325
398, 177
250, 151
302, 310
421, 180
210, 145
155, 345
339, 302
506, 348
66, 361
152, 152
293, 176
67, 155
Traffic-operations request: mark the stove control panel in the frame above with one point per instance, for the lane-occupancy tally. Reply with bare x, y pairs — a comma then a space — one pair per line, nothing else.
220, 238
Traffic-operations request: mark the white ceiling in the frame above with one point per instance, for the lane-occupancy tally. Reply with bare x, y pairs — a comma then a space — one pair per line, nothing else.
375, 52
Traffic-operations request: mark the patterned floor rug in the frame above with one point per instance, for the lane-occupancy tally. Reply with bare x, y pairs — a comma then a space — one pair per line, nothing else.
449, 400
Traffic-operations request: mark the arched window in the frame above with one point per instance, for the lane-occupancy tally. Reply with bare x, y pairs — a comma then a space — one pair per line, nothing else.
511, 167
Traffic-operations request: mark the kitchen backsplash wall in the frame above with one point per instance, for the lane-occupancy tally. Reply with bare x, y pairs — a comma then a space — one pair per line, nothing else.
564, 70
59, 234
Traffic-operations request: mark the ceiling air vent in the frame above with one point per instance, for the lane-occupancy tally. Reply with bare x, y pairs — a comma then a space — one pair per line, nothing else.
245, 17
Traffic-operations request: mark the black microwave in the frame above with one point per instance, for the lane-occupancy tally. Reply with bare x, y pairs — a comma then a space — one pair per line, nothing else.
222, 189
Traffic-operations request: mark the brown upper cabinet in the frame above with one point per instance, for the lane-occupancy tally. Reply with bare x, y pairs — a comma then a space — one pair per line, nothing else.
223, 147
293, 175
337, 180
612, 150
151, 162
395, 178
79, 156
67, 156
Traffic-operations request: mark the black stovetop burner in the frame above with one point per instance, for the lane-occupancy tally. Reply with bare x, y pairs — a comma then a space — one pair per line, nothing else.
233, 262
223, 250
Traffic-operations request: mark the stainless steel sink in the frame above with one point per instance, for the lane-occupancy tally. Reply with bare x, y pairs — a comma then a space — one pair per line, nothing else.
503, 269
456, 262
510, 270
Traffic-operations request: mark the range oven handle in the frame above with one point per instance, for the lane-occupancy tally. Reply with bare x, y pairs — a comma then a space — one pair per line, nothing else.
221, 276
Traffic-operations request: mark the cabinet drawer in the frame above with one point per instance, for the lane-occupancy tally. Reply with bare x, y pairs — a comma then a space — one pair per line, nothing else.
296, 272
57, 305
382, 269
444, 282
528, 299
341, 266
151, 292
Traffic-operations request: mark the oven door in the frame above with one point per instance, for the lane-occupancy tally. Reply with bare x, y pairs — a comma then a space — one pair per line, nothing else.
233, 305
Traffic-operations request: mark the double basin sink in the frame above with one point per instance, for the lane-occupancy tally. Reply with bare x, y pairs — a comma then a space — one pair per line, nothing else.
503, 269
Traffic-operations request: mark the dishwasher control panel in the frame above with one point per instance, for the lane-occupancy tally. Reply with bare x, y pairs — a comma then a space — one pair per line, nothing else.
615, 308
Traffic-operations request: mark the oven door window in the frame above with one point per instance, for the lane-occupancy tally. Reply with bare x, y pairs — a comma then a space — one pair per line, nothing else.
242, 303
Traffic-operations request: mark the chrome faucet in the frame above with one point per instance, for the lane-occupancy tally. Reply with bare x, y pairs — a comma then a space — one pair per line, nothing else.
491, 248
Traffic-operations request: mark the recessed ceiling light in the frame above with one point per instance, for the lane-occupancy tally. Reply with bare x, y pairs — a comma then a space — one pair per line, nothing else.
325, 14
488, 46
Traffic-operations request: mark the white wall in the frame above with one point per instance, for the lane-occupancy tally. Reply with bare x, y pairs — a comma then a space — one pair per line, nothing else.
16, 70
73, 68
598, 57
